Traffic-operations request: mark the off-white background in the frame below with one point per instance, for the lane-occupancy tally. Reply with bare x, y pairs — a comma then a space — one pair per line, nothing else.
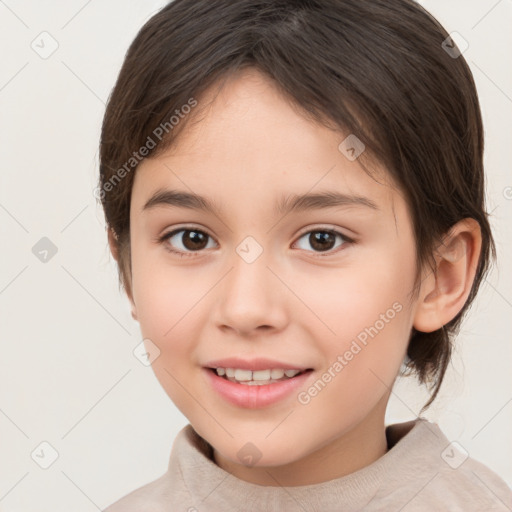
67, 372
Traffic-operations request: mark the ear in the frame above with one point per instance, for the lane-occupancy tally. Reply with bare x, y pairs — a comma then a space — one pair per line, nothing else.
112, 242
444, 291
114, 249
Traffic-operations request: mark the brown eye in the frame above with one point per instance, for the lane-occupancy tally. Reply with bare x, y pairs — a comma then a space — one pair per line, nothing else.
322, 240
185, 240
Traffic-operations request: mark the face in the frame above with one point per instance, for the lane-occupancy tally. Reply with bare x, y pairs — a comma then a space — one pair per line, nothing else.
324, 286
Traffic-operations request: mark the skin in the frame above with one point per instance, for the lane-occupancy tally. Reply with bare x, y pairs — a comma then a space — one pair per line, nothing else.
247, 149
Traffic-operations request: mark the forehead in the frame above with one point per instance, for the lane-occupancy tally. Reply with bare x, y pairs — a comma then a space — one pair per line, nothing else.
247, 144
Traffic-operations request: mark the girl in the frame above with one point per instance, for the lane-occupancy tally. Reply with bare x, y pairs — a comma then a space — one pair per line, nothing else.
294, 191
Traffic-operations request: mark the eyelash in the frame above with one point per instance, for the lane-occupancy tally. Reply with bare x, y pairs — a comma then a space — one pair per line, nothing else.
165, 237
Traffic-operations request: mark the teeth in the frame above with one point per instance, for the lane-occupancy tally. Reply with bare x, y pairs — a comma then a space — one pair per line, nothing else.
257, 377
261, 375
243, 375
277, 374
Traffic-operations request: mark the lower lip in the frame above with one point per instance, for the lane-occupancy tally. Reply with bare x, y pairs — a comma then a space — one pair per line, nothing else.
255, 397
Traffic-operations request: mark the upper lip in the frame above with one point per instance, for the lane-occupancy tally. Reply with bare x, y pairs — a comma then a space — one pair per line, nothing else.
260, 363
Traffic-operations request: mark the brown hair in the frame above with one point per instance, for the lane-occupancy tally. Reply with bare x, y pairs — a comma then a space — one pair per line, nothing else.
377, 69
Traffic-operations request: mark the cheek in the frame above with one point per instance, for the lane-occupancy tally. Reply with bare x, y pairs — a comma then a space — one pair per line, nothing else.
361, 360
160, 291
368, 315
350, 299
168, 304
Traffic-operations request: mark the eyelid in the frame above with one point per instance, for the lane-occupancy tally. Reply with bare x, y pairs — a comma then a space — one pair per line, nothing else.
188, 227
319, 227
326, 227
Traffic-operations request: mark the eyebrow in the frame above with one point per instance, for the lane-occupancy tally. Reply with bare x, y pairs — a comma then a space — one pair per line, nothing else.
286, 204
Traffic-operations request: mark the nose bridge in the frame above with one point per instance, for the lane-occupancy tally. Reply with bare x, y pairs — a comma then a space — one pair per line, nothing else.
249, 296
249, 275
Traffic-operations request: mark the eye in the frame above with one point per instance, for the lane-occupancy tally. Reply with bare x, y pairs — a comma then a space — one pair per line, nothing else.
323, 240
191, 239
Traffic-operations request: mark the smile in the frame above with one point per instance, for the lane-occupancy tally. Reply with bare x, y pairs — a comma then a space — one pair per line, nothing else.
255, 389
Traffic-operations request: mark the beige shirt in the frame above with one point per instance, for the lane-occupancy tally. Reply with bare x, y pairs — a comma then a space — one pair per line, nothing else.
422, 471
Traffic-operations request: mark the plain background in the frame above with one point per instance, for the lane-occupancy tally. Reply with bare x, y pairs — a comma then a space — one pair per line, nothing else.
68, 376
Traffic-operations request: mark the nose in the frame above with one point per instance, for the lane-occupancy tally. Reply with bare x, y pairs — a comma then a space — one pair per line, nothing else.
251, 298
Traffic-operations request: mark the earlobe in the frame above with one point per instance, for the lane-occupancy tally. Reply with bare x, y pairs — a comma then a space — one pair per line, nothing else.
112, 242
114, 249
444, 290
134, 311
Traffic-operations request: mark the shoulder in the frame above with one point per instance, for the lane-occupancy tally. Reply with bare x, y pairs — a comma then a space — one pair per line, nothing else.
150, 498
168, 492
462, 480
430, 473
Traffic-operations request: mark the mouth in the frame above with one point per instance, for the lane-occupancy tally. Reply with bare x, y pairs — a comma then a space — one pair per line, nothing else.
256, 389
257, 377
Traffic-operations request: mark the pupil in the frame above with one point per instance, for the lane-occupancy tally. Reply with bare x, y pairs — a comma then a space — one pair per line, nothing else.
322, 240
197, 238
